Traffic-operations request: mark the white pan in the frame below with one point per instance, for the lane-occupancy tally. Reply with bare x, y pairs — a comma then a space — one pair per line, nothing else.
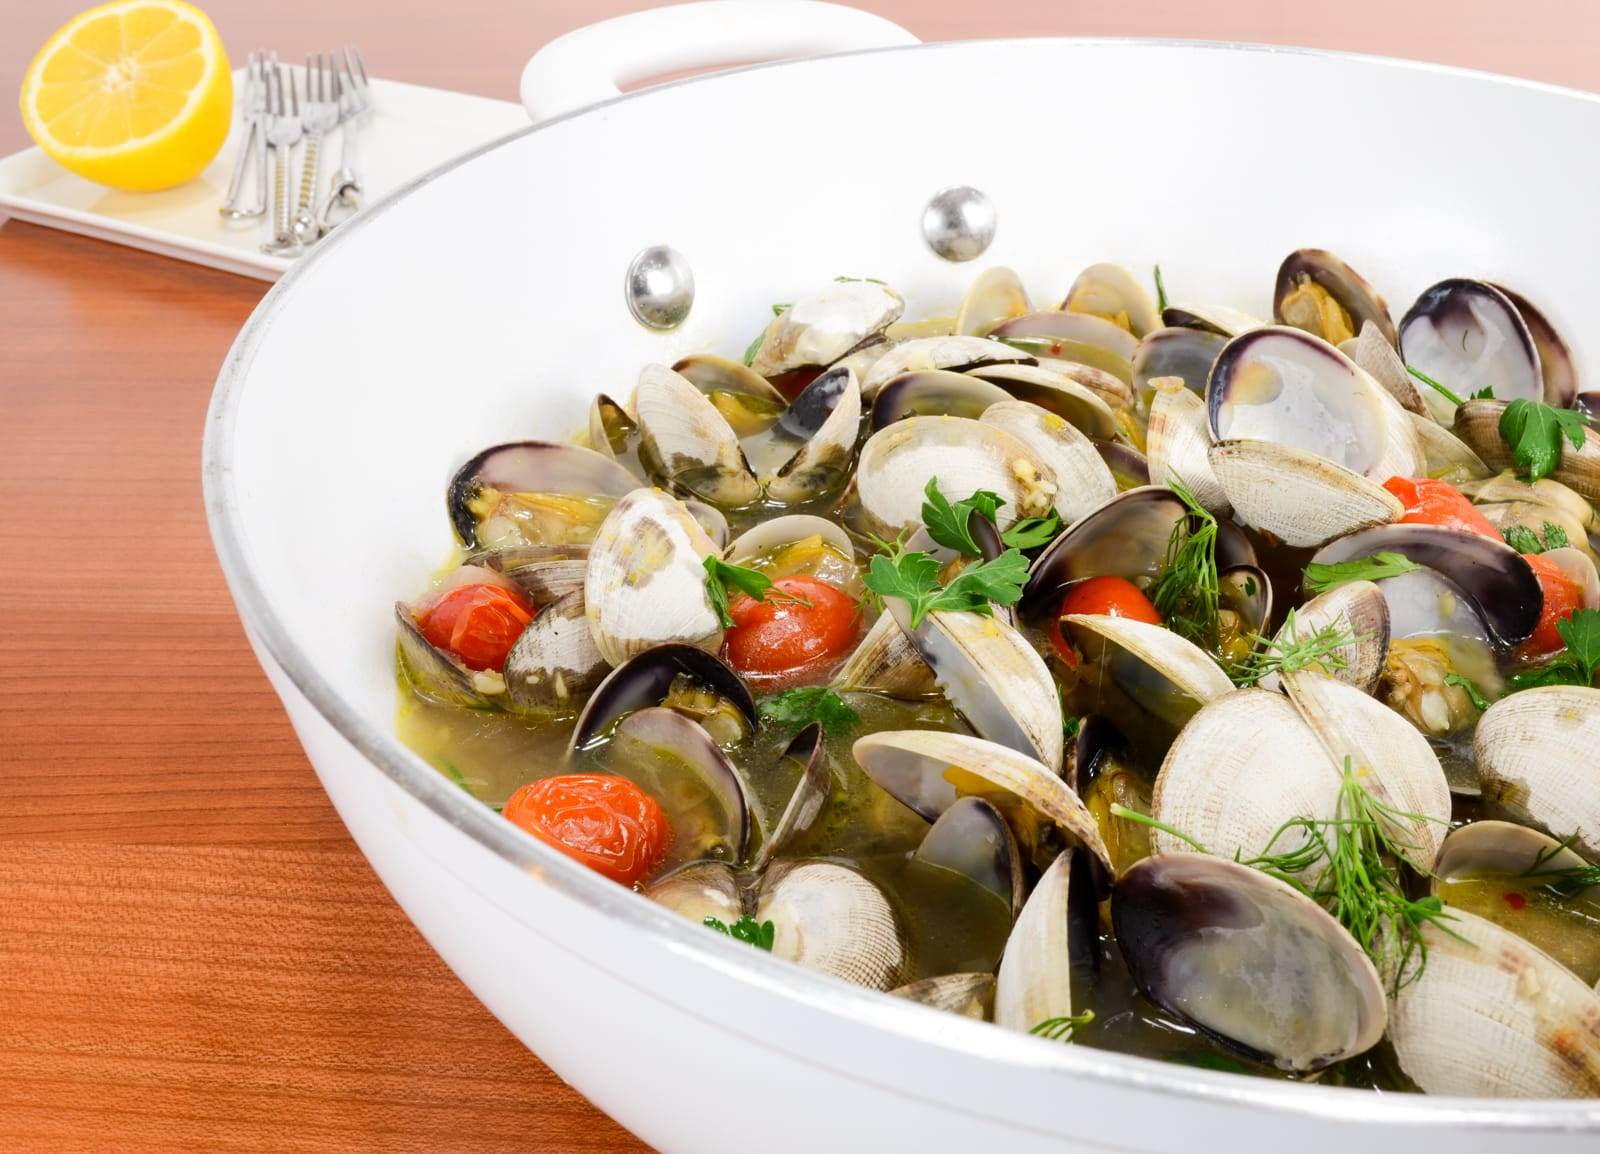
485, 303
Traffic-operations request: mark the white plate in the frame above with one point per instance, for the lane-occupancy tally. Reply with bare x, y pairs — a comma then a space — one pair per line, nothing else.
411, 130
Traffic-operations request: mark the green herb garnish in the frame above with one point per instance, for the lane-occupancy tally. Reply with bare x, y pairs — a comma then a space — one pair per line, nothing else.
1321, 578
794, 709
746, 929
951, 525
1161, 292
1061, 1029
1453, 397
914, 578
1534, 430
1031, 532
1188, 592
1525, 540
1563, 882
1479, 701
859, 280
1574, 665
720, 576
1070, 727
1288, 652
749, 357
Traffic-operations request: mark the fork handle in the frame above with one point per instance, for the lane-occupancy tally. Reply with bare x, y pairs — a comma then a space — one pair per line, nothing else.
308, 171
230, 202
280, 190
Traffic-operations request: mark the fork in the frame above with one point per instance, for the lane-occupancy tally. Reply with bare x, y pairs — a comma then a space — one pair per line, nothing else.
320, 113
283, 132
356, 105
252, 110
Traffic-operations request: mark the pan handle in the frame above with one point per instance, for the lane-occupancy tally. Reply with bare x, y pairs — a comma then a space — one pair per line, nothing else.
593, 63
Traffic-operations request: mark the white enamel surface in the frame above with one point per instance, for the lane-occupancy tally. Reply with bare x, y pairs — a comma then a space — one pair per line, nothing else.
339, 380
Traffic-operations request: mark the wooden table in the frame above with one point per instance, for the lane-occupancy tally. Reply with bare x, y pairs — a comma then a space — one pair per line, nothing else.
193, 955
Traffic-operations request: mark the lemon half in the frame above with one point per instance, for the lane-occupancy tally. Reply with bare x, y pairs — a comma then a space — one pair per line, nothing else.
135, 94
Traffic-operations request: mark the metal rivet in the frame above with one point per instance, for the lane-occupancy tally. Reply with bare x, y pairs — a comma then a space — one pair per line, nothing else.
959, 223
659, 287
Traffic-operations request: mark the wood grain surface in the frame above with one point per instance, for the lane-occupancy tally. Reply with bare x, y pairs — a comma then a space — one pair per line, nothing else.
193, 956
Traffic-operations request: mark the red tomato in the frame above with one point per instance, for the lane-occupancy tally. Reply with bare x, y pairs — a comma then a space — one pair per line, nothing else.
606, 822
478, 623
1430, 502
789, 640
1562, 595
1107, 596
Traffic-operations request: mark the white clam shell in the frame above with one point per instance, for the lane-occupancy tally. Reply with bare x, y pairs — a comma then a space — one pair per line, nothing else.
1298, 497
646, 578
700, 890
828, 917
1109, 291
996, 296
948, 352
821, 328
1178, 443
1374, 355
1493, 1016
1538, 753
1359, 609
887, 662
970, 995
1086, 407
555, 662
1181, 663
823, 462
1082, 480
1445, 457
1035, 978
692, 442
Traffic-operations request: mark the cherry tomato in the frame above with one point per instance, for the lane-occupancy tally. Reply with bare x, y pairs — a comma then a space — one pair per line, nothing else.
789, 639
1562, 595
1107, 596
606, 822
1430, 502
478, 623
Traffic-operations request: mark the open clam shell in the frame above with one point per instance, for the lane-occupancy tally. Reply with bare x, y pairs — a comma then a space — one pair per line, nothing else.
1356, 608
1219, 319
887, 661
1493, 1016
1556, 363
1445, 456
1497, 580
687, 443
1082, 480
643, 681
933, 393
970, 995
821, 328
670, 734
956, 353
728, 381
1467, 335
1165, 677
1373, 351
928, 771
611, 427
434, 674
1112, 293
1176, 352
555, 662
646, 582
1477, 423
540, 468
1086, 408
700, 890
809, 796
828, 917
1178, 443
1318, 292
1302, 499
1249, 960
1499, 849
1080, 337
972, 839
996, 296
992, 676
545, 573
1244, 766
1537, 753
823, 463
1054, 935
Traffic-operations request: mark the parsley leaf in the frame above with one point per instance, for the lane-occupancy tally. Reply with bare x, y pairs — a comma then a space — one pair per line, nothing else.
749, 357
746, 929
1534, 430
795, 709
914, 578
1576, 664
1525, 540
1321, 578
779, 309
1555, 537
1070, 727
720, 576
951, 525
1031, 532
1161, 292
1479, 701
1453, 397
1484, 394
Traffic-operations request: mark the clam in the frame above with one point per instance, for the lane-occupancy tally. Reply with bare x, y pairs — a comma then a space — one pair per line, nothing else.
1561, 503
1300, 498
555, 661
1082, 480
1128, 466
646, 581
1497, 581
663, 733
744, 398
1176, 352
700, 890
1467, 335
1085, 408
995, 297
928, 771
806, 802
1492, 1016
1079, 337
1113, 390
1166, 678
1178, 443
828, 917
1536, 752
611, 427
1318, 292
1356, 608
1242, 768
965, 455
957, 353
1219, 319
887, 661
1100, 771
1435, 631
1247, 959
1556, 366
970, 995
819, 329
534, 493
1373, 351
828, 411
687, 443
932, 393
439, 676
799, 544
1054, 935
1477, 423
1112, 293
992, 676
544, 572
649, 678
1446, 456
710, 519
972, 839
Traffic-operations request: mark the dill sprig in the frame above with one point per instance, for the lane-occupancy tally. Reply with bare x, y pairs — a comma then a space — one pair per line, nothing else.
1360, 882
1061, 1029
1563, 881
1188, 592
1288, 652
